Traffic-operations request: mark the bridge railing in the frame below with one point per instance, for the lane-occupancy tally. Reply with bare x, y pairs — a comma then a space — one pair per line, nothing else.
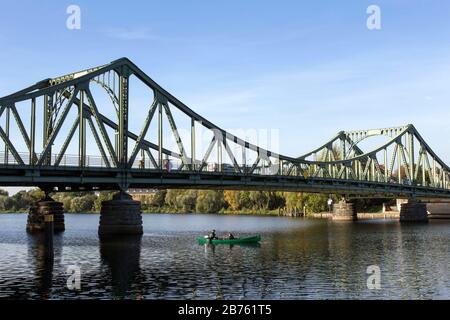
66, 160
96, 161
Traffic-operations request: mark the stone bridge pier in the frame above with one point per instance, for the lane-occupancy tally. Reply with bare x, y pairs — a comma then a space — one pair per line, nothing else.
413, 211
344, 211
43, 207
120, 216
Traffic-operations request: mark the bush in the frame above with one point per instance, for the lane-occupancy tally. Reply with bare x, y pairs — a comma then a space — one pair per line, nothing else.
209, 201
82, 204
102, 196
157, 200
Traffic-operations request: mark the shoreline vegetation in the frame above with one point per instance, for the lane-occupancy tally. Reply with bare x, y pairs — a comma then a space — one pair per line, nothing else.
181, 201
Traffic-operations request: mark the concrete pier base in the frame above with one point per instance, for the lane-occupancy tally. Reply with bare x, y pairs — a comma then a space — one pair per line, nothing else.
344, 211
120, 216
413, 211
46, 206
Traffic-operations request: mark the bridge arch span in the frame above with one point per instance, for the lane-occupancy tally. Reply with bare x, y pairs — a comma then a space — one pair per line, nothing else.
405, 164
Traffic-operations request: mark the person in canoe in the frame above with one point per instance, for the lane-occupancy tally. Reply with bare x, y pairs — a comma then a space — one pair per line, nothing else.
230, 236
229, 239
212, 235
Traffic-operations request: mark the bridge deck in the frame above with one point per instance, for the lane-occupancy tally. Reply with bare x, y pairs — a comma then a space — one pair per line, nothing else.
70, 178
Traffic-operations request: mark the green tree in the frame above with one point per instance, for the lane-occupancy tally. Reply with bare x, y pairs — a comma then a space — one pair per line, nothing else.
276, 200
294, 200
83, 204
187, 200
171, 197
66, 201
35, 195
232, 198
158, 199
317, 202
6, 203
22, 200
180, 199
210, 201
244, 200
103, 196
259, 199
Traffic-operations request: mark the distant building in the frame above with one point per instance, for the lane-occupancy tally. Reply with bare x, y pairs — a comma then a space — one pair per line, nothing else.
141, 194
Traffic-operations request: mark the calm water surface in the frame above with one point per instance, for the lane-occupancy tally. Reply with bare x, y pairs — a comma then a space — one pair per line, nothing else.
297, 259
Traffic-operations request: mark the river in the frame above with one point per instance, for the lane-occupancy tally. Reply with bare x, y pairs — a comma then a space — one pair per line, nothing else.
296, 259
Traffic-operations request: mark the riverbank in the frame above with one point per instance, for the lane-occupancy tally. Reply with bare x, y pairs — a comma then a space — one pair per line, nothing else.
175, 211
228, 202
169, 210
361, 216
271, 213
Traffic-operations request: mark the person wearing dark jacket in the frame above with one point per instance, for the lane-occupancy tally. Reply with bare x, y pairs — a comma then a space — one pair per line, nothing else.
212, 235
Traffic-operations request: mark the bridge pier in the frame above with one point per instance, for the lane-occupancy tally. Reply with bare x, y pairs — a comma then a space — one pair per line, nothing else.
120, 216
38, 211
344, 211
413, 211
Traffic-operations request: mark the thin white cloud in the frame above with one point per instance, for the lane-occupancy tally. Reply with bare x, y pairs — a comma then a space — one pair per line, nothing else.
262, 91
130, 33
274, 37
217, 40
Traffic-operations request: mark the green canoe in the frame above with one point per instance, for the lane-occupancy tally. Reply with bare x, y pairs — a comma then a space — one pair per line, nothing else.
254, 239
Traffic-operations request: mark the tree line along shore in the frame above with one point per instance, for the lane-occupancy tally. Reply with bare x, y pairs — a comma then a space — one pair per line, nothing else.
192, 201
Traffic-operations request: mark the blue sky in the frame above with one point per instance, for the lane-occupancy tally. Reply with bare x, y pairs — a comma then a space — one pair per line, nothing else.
306, 68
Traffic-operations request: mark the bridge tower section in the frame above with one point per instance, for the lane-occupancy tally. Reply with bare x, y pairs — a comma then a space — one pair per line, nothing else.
413, 211
38, 211
344, 211
121, 215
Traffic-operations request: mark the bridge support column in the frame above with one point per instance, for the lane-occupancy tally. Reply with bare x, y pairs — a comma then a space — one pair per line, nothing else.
120, 216
413, 211
38, 211
344, 211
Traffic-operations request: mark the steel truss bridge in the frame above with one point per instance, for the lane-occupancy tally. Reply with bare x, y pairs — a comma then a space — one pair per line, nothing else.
48, 119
